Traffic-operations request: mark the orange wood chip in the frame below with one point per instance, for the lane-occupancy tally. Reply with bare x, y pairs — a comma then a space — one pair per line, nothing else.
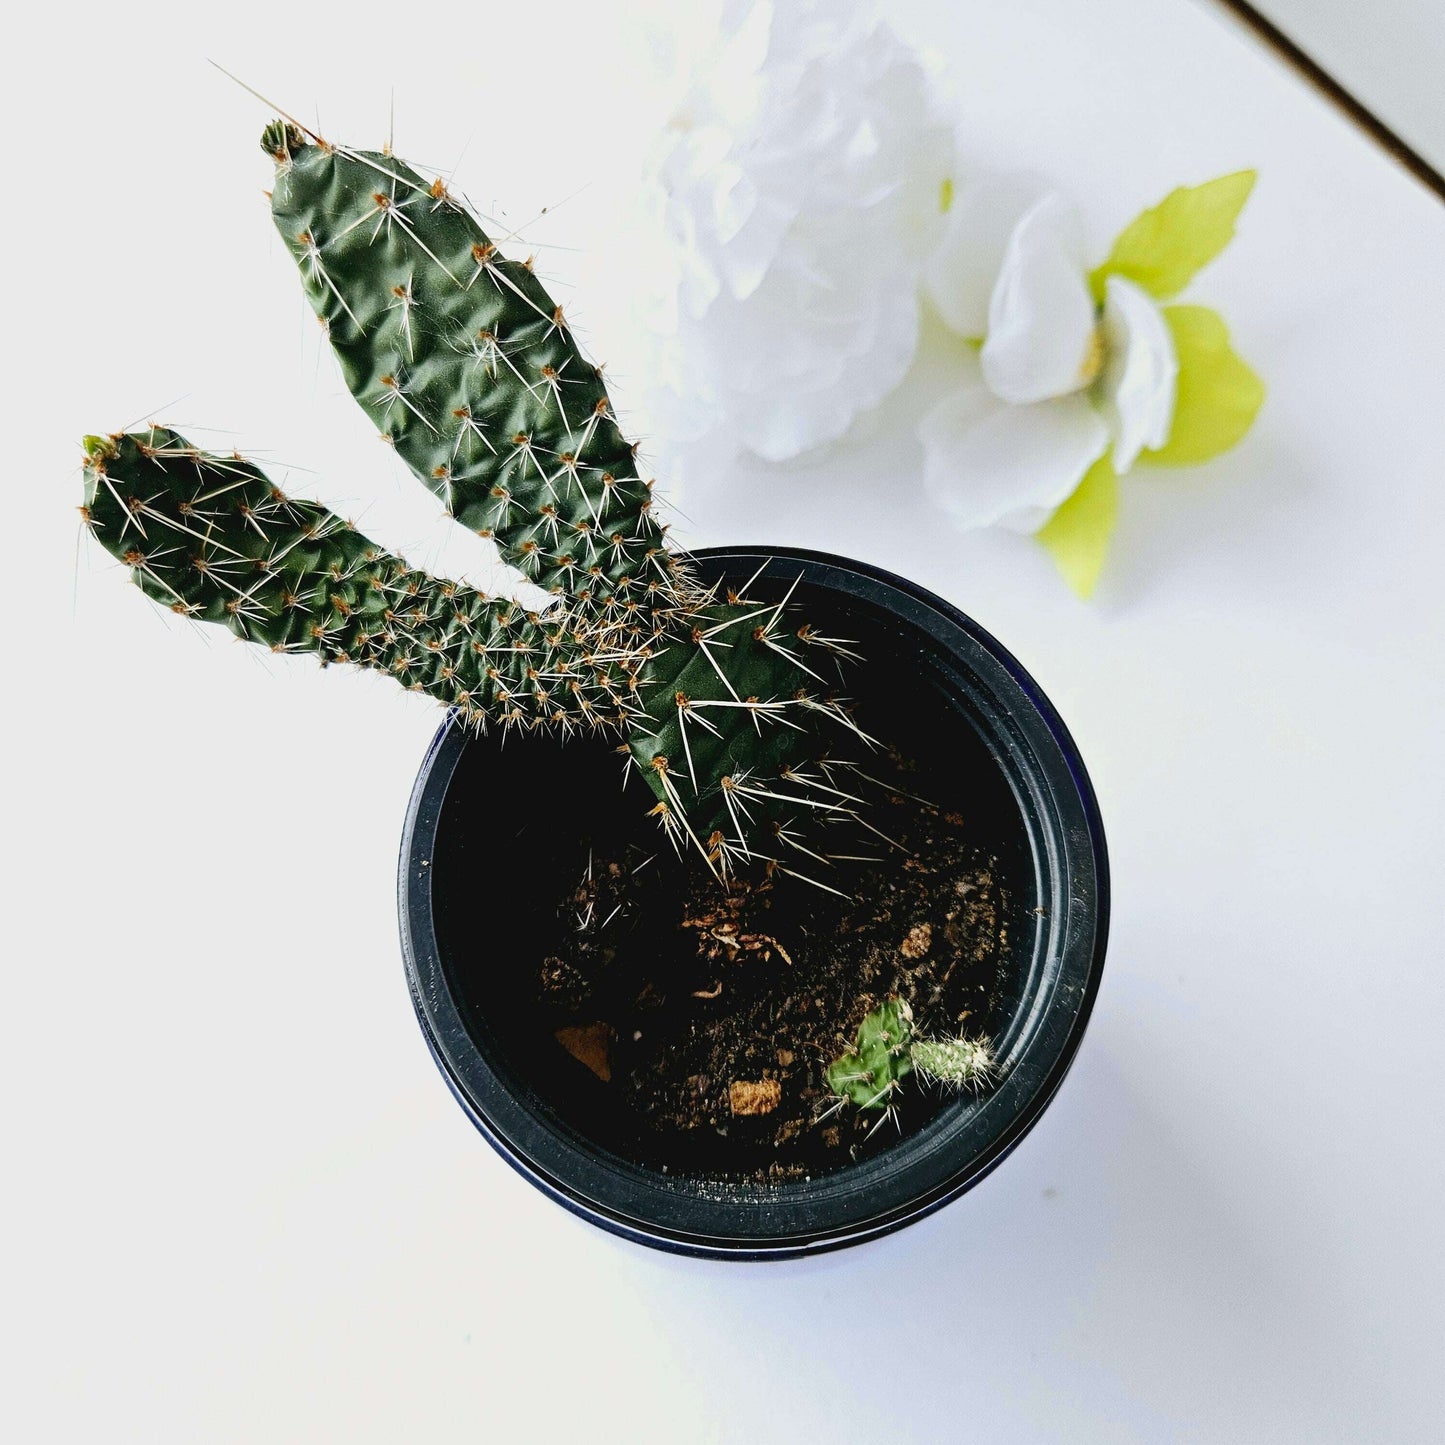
589, 1044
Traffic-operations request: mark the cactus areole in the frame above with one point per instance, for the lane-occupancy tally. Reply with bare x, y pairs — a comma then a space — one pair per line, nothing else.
757, 702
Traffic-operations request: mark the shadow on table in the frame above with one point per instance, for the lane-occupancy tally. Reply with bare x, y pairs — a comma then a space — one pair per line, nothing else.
1098, 1280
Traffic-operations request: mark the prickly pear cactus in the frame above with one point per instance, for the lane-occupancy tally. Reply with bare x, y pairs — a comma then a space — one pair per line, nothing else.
469, 370
700, 710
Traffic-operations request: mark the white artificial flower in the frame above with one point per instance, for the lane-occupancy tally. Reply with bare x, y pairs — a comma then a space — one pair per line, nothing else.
798, 187
1057, 381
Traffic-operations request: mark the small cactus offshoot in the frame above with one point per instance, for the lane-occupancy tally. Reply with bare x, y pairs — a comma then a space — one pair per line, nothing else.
959, 1062
886, 1051
880, 1059
470, 372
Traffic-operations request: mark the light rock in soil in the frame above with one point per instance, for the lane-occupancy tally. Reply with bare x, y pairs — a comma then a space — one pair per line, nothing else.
918, 942
749, 1096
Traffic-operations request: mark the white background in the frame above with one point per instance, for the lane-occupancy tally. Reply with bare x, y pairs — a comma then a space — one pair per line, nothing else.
239, 1202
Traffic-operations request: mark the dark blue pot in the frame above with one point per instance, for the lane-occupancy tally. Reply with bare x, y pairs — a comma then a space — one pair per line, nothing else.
483, 852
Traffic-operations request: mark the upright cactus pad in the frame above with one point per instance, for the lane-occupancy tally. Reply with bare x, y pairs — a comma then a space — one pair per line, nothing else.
469, 369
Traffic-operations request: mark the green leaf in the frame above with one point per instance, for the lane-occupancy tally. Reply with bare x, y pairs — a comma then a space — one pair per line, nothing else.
1163, 248
1219, 396
1078, 534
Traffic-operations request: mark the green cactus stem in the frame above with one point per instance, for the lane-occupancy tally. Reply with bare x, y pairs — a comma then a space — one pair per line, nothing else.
469, 370
886, 1050
211, 538
731, 732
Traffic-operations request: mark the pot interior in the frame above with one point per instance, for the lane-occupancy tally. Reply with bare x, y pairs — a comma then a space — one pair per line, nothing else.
521, 817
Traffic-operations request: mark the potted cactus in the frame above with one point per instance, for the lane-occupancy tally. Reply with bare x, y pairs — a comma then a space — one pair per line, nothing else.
886, 865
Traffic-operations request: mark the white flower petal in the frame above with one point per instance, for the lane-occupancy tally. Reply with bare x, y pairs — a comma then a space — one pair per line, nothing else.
1041, 315
987, 462
960, 276
797, 187
1141, 376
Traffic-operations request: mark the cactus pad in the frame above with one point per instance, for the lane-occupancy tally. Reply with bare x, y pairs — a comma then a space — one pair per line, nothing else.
880, 1059
713, 710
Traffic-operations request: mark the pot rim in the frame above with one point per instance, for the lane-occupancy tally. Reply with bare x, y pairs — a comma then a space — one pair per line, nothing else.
670, 1213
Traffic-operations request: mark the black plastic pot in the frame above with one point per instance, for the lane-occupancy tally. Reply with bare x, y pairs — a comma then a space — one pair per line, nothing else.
486, 850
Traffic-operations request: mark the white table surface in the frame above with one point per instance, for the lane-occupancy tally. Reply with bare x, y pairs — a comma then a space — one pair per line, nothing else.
240, 1203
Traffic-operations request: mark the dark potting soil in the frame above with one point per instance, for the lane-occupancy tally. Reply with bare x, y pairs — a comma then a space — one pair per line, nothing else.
709, 1013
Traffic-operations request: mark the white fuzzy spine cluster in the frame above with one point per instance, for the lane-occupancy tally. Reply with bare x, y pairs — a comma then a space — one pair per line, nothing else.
959, 1062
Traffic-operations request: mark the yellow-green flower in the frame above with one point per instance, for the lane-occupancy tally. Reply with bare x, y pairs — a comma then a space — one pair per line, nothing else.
1078, 375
